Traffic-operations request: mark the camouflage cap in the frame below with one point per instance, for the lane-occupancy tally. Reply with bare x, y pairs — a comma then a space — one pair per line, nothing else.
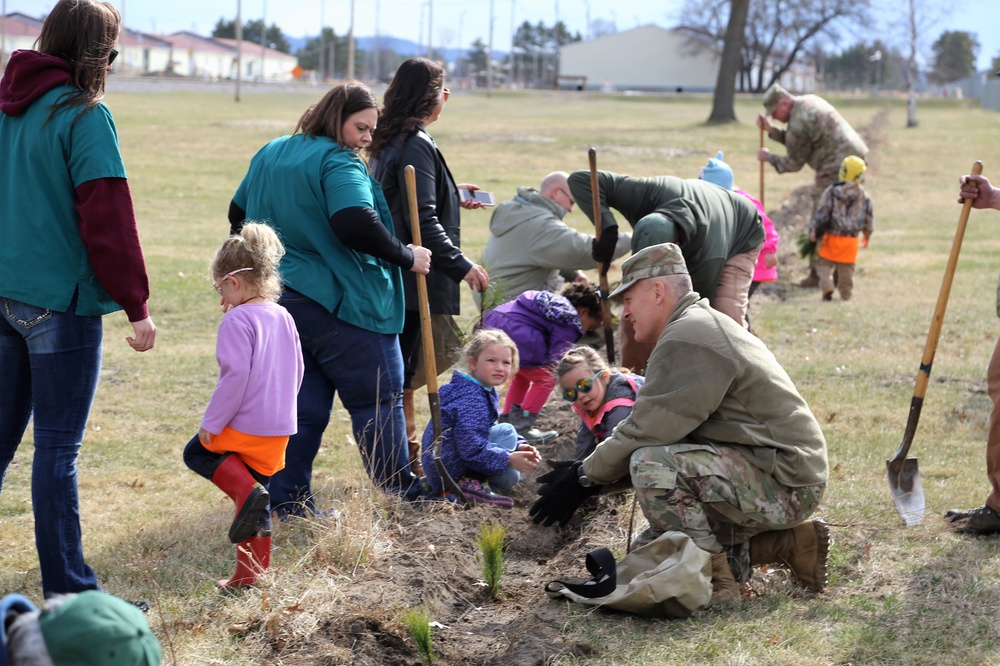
772, 96
652, 261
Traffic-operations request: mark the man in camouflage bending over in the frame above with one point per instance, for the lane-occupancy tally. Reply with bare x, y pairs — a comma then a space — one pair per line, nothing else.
720, 445
814, 134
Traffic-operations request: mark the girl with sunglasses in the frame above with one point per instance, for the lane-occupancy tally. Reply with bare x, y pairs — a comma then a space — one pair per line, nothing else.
242, 439
601, 397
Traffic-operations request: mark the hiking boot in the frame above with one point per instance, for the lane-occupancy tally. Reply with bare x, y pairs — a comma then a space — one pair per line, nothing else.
827, 295
479, 491
804, 549
811, 282
724, 585
983, 520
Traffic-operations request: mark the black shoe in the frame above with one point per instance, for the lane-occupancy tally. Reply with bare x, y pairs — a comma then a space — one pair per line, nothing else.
983, 520
141, 605
827, 295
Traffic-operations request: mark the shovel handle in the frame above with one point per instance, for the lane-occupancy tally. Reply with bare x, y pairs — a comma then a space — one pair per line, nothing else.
595, 199
761, 169
934, 334
427, 335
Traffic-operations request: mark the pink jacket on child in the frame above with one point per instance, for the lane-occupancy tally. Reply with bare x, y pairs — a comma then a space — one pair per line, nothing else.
762, 273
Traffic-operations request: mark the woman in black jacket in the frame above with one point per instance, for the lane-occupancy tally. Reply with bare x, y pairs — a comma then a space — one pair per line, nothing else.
413, 101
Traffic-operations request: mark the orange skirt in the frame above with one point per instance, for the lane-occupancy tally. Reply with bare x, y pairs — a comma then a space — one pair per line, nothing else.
265, 455
841, 249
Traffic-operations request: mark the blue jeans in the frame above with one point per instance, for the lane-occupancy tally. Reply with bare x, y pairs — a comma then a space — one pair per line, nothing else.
366, 370
49, 364
504, 435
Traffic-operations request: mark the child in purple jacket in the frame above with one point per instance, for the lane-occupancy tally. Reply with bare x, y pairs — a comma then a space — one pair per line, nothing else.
544, 326
243, 436
479, 453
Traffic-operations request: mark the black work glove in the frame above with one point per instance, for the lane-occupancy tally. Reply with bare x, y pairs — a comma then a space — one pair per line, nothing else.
603, 249
561, 495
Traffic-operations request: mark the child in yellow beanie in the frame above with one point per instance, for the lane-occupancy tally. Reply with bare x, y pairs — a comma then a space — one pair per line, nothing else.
844, 211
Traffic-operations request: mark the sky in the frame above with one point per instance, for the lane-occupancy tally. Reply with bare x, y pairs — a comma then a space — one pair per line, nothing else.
455, 22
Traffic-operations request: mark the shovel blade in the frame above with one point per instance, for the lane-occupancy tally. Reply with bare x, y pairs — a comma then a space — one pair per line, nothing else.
907, 489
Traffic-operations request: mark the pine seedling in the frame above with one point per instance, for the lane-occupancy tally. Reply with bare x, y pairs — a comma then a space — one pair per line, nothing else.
418, 623
491, 547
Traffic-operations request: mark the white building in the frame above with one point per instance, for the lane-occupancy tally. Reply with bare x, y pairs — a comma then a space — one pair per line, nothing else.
645, 58
180, 54
275, 65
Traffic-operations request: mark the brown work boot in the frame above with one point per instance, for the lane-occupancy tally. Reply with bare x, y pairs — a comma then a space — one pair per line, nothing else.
983, 520
804, 549
411, 433
724, 585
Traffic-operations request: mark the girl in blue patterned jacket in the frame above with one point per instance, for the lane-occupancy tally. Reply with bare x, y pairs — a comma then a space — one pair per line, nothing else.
478, 453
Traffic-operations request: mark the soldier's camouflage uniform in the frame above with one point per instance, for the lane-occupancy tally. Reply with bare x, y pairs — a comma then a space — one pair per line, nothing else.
817, 135
720, 445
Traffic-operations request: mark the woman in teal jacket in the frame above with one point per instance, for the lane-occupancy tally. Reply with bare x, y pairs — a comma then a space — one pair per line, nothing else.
70, 253
342, 286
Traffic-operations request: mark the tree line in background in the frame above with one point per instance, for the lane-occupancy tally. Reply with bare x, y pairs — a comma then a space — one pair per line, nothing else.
533, 61
760, 43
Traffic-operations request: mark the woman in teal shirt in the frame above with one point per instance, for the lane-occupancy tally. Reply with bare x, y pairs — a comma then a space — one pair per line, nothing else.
343, 287
70, 253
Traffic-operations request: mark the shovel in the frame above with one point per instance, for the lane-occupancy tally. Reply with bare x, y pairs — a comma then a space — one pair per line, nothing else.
761, 169
427, 333
904, 477
609, 335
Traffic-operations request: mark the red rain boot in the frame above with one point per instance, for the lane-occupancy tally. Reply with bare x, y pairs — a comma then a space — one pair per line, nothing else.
253, 556
233, 477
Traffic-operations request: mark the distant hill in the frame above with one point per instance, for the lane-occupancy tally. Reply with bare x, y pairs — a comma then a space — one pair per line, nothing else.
403, 47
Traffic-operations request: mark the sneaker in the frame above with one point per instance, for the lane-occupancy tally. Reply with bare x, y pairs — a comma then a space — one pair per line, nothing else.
536, 436
983, 520
479, 491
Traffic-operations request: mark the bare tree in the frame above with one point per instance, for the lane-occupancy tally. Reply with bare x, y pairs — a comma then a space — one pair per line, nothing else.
723, 101
777, 32
919, 18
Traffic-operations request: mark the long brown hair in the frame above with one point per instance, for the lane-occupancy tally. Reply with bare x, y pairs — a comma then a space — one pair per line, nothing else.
409, 99
82, 32
327, 116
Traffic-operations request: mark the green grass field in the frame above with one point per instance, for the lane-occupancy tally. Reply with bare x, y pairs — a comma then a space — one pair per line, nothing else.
914, 595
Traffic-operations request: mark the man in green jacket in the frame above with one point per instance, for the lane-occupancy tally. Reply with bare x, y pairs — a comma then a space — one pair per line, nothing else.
720, 445
719, 232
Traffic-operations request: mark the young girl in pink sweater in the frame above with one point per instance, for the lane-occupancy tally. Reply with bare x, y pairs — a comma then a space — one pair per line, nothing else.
242, 439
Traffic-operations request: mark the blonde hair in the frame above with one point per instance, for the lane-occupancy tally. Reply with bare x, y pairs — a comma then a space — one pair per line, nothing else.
485, 337
578, 356
257, 247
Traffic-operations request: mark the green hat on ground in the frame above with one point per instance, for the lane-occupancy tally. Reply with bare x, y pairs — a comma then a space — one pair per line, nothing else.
97, 629
772, 96
653, 261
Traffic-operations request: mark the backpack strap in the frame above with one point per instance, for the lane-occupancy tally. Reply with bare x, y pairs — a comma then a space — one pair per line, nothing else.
602, 568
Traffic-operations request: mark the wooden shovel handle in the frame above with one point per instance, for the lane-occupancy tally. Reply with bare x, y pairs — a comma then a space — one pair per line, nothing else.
602, 269
934, 334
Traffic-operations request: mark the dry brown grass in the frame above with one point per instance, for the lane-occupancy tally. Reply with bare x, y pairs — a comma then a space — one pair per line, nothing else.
917, 595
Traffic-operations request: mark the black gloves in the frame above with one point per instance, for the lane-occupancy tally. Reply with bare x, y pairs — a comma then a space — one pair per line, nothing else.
603, 249
561, 494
